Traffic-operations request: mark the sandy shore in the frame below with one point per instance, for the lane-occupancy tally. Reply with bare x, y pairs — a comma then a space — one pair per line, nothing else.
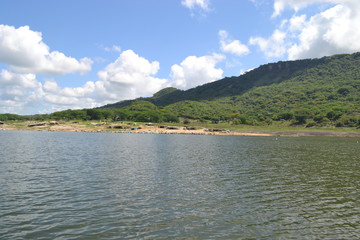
144, 129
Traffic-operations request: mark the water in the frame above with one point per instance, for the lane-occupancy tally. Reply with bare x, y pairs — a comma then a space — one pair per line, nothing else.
57, 185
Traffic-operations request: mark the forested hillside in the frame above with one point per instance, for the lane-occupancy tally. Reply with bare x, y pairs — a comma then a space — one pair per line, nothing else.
311, 92
325, 91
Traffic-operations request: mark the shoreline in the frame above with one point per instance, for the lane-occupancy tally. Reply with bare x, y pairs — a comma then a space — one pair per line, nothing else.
54, 126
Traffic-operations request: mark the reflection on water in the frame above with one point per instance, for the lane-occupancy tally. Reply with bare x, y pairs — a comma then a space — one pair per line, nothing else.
127, 186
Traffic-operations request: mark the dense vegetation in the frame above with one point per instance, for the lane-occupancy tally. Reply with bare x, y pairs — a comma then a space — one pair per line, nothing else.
137, 111
311, 92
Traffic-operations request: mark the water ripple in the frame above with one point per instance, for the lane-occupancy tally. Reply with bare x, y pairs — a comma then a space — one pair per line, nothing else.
109, 186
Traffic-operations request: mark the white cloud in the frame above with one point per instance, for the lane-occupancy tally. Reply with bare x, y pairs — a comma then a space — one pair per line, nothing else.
128, 77
231, 46
86, 90
9, 79
25, 52
114, 48
51, 86
332, 30
23, 93
55, 98
297, 5
192, 4
335, 30
274, 46
281, 5
17, 91
194, 71
296, 23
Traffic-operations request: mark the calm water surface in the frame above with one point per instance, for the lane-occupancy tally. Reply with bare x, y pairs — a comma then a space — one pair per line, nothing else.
57, 185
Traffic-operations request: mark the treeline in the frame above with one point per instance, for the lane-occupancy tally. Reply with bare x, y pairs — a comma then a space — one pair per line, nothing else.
10, 117
311, 116
138, 111
210, 112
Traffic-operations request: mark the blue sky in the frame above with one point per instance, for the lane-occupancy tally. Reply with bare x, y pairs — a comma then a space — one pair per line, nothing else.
57, 55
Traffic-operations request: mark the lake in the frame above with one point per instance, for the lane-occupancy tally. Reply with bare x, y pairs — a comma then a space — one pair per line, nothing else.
62, 185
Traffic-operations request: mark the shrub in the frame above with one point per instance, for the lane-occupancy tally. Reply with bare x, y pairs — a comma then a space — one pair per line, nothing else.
311, 123
186, 121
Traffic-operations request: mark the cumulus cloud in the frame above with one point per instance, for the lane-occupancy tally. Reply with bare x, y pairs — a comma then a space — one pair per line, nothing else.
51, 86
274, 46
281, 5
296, 23
201, 7
232, 46
194, 71
335, 30
191, 4
23, 93
10, 79
128, 77
332, 30
25, 52
17, 90
297, 5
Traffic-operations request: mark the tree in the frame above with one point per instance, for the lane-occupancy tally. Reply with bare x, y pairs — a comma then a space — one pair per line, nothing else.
301, 116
